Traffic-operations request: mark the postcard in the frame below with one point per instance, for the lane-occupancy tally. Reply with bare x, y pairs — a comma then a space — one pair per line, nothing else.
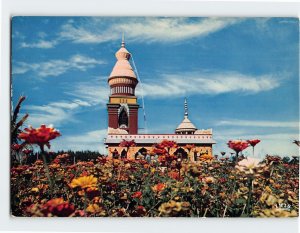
154, 117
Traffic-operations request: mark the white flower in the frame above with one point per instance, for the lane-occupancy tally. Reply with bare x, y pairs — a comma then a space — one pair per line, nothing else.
248, 165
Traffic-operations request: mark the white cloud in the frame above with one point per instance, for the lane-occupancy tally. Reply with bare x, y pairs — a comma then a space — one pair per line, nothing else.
92, 140
95, 92
277, 124
149, 29
173, 29
92, 94
55, 113
207, 83
41, 44
57, 67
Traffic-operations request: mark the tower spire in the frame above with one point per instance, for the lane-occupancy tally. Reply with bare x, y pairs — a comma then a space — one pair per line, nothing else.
123, 40
185, 108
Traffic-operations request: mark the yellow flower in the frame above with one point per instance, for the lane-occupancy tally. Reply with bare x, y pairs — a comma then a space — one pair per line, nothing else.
271, 200
173, 208
84, 182
209, 180
268, 189
278, 212
93, 208
35, 190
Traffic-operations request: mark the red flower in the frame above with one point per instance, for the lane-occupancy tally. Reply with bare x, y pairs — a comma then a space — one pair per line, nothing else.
222, 180
16, 147
40, 136
27, 152
139, 211
58, 207
127, 144
92, 192
237, 145
137, 194
253, 142
62, 158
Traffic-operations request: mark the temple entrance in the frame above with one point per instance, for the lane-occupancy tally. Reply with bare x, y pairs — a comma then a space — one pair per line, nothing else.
123, 154
141, 153
181, 153
115, 154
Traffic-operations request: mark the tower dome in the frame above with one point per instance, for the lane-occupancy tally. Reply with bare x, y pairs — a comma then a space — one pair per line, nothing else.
122, 106
186, 126
122, 79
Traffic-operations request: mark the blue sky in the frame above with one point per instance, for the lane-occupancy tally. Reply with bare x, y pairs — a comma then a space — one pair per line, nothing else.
240, 76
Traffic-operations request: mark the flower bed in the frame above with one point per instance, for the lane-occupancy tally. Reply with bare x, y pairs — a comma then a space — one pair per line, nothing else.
124, 188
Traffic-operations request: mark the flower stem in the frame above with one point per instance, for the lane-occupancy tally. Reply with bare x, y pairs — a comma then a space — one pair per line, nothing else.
85, 203
250, 180
224, 213
237, 156
47, 170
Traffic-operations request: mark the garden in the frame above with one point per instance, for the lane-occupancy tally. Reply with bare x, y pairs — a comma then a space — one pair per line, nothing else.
45, 184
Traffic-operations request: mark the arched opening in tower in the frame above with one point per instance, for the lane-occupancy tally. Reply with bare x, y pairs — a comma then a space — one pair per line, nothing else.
123, 119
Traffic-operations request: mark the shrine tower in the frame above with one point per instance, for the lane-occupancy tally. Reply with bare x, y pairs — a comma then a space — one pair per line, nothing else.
122, 106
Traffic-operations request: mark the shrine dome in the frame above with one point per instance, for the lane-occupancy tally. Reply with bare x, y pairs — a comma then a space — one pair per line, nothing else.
122, 67
122, 79
186, 126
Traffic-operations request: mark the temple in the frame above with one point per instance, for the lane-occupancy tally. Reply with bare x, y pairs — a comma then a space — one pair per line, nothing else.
122, 109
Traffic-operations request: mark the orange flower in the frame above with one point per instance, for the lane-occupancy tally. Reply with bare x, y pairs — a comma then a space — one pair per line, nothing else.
40, 136
174, 175
84, 182
206, 157
158, 187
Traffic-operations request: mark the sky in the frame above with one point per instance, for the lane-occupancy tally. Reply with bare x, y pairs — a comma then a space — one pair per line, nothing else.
240, 76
